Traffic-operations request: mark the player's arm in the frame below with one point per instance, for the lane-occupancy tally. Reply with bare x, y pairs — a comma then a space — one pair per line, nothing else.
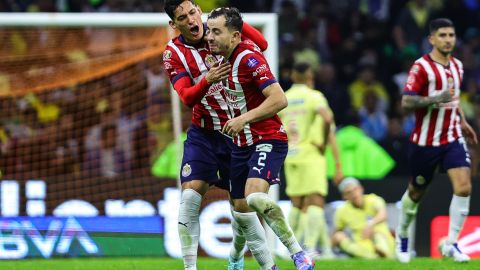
379, 217
254, 35
413, 102
275, 101
332, 140
466, 128
190, 93
325, 114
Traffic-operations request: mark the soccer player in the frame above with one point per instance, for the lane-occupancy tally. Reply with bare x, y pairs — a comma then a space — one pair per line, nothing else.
310, 127
255, 98
365, 217
194, 73
432, 92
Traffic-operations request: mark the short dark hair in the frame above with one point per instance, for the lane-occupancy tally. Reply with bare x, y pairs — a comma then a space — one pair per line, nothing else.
301, 67
439, 23
233, 18
171, 5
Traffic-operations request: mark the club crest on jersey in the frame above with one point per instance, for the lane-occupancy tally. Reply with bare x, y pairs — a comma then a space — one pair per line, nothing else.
186, 170
450, 83
167, 54
415, 69
209, 60
252, 62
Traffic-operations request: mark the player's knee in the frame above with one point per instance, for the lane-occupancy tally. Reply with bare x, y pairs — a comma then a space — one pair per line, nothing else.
240, 205
262, 204
198, 186
415, 194
464, 189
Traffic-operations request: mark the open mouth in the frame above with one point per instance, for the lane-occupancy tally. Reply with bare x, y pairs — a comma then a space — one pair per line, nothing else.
195, 30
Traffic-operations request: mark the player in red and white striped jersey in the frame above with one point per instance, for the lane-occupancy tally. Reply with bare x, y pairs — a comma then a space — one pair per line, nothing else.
195, 74
432, 91
255, 97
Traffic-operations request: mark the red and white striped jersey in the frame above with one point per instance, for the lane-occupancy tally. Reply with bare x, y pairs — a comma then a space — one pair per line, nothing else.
435, 125
181, 60
249, 76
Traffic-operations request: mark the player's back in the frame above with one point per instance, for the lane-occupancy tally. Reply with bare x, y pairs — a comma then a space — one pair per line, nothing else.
183, 60
302, 123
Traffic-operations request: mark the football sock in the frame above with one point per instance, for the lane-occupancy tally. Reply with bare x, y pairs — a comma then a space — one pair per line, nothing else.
271, 212
189, 227
238, 241
255, 235
407, 214
296, 219
315, 226
459, 208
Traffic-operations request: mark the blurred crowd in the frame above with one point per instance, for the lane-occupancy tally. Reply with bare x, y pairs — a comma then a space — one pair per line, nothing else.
361, 51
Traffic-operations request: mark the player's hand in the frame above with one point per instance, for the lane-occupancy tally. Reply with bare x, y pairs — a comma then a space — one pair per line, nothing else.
367, 232
444, 96
469, 133
218, 72
234, 126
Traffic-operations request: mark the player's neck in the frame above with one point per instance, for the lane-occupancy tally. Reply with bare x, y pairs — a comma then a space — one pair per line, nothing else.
231, 50
439, 57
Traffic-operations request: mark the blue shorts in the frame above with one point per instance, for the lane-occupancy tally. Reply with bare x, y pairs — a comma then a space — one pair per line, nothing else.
261, 160
206, 156
424, 160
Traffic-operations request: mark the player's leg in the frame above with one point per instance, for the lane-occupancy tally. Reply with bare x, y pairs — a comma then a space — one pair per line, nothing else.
296, 217
356, 249
245, 217
198, 169
264, 169
457, 163
317, 230
423, 162
384, 244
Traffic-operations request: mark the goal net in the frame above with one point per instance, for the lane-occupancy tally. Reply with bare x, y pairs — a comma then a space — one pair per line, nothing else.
87, 132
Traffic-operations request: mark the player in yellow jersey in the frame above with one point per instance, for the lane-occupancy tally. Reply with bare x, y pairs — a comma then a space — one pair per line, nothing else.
364, 216
309, 124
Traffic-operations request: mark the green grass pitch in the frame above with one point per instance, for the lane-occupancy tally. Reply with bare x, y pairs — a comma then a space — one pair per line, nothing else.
214, 264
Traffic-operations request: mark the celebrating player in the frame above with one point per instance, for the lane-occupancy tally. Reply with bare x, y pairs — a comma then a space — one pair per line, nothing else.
195, 73
432, 92
255, 98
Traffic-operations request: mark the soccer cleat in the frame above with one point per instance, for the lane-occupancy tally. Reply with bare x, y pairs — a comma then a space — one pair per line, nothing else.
274, 267
401, 249
452, 251
303, 261
235, 264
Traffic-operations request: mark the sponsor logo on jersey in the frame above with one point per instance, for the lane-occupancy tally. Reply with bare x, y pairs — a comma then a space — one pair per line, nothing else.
252, 62
415, 69
214, 88
260, 70
167, 65
264, 147
186, 170
167, 54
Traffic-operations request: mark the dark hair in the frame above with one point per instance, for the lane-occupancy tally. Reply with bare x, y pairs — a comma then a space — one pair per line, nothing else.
171, 5
301, 67
233, 19
439, 23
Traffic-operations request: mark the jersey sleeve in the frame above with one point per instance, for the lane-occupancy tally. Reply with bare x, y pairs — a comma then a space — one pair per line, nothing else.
256, 65
189, 93
377, 202
249, 32
417, 81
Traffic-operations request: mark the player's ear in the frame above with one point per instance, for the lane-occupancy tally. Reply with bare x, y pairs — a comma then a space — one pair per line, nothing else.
236, 35
172, 24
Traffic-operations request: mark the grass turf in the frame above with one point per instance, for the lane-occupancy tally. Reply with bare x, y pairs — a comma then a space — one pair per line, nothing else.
214, 264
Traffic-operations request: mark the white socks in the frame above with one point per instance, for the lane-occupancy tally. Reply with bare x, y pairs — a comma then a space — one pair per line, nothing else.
459, 208
316, 230
255, 235
238, 241
189, 227
407, 214
273, 215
